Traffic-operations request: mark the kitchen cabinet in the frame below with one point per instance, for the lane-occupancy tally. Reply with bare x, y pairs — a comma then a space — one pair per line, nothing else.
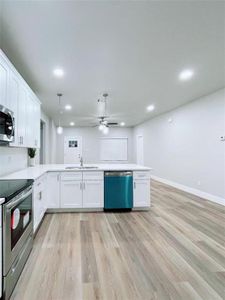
93, 195
53, 190
1, 251
71, 190
141, 182
93, 189
22, 117
82, 190
39, 200
71, 194
32, 122
16, 95
4, 81
14, 102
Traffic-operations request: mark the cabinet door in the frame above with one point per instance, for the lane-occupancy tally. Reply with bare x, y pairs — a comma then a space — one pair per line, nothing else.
93, 193
71, 194
36, 122
14, 99
30, 122
4, 82
36, 208
141, 193
22, 116
53, 188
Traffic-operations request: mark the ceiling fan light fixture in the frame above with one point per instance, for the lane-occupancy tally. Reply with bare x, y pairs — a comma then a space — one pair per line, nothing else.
101, 127
59, 130
105, 130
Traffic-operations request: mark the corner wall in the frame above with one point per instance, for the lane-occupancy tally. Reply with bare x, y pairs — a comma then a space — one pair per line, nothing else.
188, 151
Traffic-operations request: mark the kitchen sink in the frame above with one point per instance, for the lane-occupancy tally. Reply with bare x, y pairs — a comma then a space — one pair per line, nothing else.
82, 168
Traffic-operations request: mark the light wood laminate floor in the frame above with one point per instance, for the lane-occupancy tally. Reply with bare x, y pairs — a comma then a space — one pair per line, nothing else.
174, 251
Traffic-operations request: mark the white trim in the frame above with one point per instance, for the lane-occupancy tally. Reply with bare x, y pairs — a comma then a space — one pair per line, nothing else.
190, 190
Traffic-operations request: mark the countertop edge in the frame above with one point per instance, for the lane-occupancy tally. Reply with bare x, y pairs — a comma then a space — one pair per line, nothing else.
36, 172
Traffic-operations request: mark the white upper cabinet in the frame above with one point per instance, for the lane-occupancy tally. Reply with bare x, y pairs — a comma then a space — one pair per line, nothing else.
17, 96
4, 82
22, 116
14, 102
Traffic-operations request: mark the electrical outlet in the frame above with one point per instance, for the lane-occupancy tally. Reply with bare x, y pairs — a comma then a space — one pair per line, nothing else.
222, 138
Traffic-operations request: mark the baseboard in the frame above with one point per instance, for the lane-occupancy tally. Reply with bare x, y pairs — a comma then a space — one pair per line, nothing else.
70, 210
190, 190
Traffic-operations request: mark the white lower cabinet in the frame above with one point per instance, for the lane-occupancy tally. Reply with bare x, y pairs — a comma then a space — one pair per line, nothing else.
39, 200
71, 194
82, 190
1, 251
141, 182
93, 193
53, 190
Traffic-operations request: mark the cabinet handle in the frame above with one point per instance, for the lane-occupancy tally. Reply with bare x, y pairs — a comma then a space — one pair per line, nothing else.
40, 195
22, 140
134, 185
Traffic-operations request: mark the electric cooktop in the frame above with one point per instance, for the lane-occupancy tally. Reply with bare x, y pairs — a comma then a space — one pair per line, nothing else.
10, 188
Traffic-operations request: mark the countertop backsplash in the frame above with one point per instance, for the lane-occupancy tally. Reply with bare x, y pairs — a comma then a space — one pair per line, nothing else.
12, 159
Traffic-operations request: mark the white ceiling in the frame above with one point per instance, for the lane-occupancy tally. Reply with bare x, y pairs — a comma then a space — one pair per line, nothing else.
132, 50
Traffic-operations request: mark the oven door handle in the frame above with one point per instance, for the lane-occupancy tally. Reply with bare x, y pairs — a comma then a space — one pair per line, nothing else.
12, 204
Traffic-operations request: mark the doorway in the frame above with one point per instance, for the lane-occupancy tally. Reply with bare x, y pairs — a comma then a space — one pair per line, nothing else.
72, 149
140, 150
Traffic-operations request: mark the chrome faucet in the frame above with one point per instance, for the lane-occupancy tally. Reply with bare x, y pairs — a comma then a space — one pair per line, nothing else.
81, 162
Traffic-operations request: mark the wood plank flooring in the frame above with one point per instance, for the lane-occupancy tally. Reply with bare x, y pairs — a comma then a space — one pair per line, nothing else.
174, 251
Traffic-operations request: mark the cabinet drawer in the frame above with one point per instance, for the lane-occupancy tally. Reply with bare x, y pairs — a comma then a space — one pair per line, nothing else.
141, 175
92, 175
71, 176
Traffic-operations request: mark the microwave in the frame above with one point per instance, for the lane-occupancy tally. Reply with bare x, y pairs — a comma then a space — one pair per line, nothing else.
7, 127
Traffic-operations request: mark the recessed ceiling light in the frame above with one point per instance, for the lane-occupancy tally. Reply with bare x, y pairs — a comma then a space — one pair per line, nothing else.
122, 124
150, 107
186, 74
58, 72
68, 107
72, 123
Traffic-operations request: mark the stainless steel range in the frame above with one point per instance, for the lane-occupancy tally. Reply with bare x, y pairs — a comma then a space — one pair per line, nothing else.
17, 230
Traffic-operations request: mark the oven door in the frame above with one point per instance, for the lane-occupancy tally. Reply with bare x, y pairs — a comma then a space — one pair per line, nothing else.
17, 226
6, 125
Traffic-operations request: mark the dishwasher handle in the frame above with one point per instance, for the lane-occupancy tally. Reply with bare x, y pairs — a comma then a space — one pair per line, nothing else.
118, 173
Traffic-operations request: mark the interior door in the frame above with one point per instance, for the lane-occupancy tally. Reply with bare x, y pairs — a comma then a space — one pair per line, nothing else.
140, 150
72, 149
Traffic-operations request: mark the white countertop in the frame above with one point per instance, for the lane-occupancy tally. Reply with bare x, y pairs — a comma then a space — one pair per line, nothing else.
39, 170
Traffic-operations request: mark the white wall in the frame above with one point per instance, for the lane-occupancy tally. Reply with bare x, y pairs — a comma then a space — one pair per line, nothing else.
91, 142
12, 159
188, 150
53, 150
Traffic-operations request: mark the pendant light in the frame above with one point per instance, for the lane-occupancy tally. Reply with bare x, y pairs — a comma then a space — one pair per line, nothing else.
59, 129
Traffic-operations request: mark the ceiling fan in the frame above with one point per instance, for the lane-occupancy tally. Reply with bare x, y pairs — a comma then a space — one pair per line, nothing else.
103, 124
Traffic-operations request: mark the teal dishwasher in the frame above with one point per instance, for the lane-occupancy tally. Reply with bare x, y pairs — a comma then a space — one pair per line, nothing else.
118, 190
